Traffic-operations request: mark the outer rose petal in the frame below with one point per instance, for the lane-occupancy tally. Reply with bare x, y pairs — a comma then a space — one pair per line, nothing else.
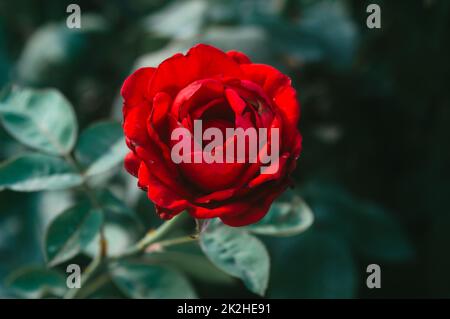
239, 57
165, 213
219, 210
263, 178
135, 126
132, 163
287, 102
278, 87
161, 104
256, 211
201, 62
243, 211
216, 196
134, 89
162, 170
159, 193
297, 145
269, 78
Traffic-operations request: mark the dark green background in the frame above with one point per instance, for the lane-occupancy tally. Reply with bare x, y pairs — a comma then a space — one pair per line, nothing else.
375, 118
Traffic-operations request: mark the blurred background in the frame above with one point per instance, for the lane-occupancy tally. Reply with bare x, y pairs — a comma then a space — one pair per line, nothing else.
375, 118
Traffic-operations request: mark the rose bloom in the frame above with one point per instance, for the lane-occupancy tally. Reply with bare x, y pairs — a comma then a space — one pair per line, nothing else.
224, 90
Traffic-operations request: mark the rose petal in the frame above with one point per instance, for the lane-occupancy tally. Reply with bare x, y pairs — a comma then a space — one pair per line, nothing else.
216, 196
165, 213
263, 178
267, 77
134, 88
239, 57
165, 171
132, 163
159, 193
237, 104
288, 107
214, 176
218, 211
197, 93
278, 87
161, 105
135, 126
201, 62
256, 211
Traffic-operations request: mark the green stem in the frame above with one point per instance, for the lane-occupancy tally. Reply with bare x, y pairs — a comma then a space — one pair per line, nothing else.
176, 241
88, 273
97, 261
151, 237
99, 282
90, 193
84, 185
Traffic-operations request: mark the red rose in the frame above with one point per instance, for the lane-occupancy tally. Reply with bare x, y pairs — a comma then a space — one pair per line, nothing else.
223, 90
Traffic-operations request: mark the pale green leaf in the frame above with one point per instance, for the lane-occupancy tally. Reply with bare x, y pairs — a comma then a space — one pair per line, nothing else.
41, 119
101, 147
71, 232
285, 219
239, 254
145, 281
37, 282
35, 172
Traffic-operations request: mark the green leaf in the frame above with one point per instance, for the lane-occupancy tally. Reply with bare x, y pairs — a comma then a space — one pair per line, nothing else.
119, 236
41, 119
324, 32
71, 232
54, 54
111, 202
145, 281
19, 234
312, 265
119, 210
237, 253
101, 147
181, 19
285, 219
195, 265
252, 39
37, 282
35, 172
